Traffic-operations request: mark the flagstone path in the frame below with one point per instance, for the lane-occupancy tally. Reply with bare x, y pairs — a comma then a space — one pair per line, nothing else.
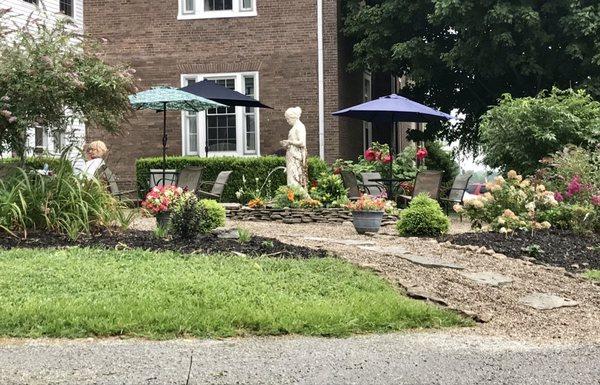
511, 297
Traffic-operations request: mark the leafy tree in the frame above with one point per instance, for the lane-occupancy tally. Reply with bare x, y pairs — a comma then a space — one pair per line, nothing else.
518, 132
52, 75
466, 54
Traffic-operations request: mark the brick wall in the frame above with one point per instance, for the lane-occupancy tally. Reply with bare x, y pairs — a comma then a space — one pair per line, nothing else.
280, 43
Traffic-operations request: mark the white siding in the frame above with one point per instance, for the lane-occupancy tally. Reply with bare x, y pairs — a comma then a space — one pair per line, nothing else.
47, 11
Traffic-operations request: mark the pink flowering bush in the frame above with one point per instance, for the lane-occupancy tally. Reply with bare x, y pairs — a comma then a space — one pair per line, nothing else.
160, 198
511, 203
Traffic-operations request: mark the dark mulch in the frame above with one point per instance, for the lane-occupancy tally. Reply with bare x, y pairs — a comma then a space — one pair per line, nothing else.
561, 248
146, 240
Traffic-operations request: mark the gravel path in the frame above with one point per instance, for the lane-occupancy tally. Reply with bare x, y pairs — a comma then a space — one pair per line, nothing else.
432, 358
498, 305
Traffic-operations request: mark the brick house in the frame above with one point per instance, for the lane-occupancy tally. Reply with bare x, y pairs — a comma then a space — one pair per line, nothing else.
285, 53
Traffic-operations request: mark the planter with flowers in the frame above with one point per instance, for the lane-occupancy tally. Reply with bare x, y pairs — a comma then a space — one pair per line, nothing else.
158, 202
367, 213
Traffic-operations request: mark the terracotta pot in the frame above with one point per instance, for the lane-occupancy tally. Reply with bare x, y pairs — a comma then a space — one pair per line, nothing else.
367, 221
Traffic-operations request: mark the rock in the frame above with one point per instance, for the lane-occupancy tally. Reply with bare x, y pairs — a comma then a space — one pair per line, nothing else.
575, 266
431, 262
392, 250
228, 234
481, 318
420, 293
354, 242
472, 248
543, 301
488, 278
499, 256
489, 252
231, 206
481, 250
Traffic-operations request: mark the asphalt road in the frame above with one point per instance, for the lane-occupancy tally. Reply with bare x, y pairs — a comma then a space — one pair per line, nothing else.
380, 359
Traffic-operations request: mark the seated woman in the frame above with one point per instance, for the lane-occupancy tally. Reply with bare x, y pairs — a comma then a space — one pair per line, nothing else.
94, 153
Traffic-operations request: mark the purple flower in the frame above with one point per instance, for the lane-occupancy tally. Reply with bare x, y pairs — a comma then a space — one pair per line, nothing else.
12, 119
558, 197
574, 186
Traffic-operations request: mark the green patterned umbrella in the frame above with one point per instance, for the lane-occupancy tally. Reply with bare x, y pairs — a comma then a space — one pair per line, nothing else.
168, 98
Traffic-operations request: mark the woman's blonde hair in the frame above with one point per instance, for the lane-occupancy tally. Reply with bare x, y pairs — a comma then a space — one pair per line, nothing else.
97, 148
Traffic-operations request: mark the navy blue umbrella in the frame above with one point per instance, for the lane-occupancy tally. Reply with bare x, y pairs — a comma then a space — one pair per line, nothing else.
220, 94
393, 108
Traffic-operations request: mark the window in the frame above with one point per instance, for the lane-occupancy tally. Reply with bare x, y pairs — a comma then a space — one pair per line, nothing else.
367, 126
204, 9
224, 130
31, 1
66, 7
189, 6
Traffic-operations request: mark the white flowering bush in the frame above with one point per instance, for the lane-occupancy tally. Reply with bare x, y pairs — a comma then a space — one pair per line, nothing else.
511, 203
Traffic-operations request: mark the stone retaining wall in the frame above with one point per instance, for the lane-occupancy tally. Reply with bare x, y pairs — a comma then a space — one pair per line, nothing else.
296, 215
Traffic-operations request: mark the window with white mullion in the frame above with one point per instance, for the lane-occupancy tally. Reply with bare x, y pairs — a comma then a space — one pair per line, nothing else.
221, 122
190, 122
250, 128
188, 6
201, 9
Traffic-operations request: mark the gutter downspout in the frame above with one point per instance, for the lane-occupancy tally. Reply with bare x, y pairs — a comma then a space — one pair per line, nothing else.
321, 82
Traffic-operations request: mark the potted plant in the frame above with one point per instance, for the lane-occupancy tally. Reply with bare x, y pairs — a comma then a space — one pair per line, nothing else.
367, 213
158, 202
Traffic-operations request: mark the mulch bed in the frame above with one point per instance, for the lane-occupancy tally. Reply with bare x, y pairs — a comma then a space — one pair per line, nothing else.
561, 248
146, 240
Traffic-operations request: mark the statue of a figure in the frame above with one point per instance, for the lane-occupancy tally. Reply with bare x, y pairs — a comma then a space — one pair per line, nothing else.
295, 145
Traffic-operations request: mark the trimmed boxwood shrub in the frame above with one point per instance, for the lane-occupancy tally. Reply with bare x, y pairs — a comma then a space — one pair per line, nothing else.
423, 217
36, 162
256, 167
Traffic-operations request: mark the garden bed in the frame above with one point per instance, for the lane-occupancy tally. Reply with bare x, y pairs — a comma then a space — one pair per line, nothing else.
560, 248
146, 240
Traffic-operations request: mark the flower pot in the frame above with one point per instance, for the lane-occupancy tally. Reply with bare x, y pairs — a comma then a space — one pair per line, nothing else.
162, 219
367, 221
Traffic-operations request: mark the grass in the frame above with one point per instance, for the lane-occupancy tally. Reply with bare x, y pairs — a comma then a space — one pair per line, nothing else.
594, 275
86, 292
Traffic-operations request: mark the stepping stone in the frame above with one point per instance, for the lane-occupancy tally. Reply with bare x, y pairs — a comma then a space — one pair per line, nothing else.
431, 262
228, 234
346, 242
543, 301
488, 278
392, 250
420, 293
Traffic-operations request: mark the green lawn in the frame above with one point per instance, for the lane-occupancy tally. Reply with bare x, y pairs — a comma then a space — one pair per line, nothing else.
87, 292
593, 274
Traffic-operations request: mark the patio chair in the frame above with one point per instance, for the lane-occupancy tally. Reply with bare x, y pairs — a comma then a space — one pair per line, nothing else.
216, 188
427, 182
457, 191
351, 184
156, 176
371, 187
189, 178
111, 180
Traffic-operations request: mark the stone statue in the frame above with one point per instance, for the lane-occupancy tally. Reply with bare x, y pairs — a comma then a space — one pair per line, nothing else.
295, 145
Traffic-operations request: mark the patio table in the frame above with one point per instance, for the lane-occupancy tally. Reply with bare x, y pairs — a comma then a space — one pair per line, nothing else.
389, 183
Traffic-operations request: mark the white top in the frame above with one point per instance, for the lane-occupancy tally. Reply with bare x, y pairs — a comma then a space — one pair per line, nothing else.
90, 168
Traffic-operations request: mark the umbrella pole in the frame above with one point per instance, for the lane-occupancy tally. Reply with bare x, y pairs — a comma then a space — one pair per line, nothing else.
205, 135
164, 141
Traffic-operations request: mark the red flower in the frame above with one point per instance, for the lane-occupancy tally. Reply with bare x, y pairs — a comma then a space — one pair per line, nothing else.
386, 159
370, 155
422, 153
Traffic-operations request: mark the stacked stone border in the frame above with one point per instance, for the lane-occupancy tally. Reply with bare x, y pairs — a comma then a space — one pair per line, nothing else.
287, 215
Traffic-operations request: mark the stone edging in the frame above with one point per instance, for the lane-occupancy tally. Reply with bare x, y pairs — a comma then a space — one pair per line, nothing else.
287, 215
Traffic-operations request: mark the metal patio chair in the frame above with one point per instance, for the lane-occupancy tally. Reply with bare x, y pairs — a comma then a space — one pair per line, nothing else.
216, 188
428, 182
457, 191
371, 187
351, 184
189, 178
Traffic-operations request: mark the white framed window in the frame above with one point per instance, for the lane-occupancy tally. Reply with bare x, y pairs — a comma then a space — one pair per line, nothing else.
224, 131
211, 9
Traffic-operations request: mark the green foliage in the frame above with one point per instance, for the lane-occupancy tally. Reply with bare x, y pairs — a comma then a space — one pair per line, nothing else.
441, 160
404, 165
423, 217
244, 235
466, 54
187, 215
330, 190
62, 203
91, 293
569, 217
289, 196
533, 251
38, 162
517, 133
211, 215
593, 275
250, 168
47, 70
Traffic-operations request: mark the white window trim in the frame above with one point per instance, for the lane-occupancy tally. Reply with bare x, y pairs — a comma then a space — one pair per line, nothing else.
240, 118
367, 126
184, 11
200, 13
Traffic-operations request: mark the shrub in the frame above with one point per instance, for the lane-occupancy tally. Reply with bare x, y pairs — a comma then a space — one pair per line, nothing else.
212, 215
517, 133
511, 203
329, 190
289, 196
441, 160
63, 204
250, 168
423, 217
186, 216
38, 163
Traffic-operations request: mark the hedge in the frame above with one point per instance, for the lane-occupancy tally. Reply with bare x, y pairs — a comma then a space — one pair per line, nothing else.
251, 168
35, 162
